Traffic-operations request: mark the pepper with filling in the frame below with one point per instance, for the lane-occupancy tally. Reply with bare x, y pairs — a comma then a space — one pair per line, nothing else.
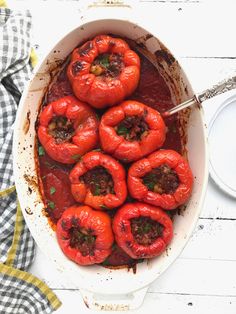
163, 179
98, 180
131, 130
84, 235
103, 71
142, 230
67, 128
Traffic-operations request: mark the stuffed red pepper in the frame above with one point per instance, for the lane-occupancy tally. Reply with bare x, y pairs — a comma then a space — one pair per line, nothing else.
103, 71
142, 230
131, 130
67, 129
98, 180
85, 235
162, 179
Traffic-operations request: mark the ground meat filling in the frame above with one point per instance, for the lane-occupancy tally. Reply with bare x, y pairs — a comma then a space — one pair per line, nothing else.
145, 230
162, 180
107, 65
99, 181
61, 129
133, 128
83, 240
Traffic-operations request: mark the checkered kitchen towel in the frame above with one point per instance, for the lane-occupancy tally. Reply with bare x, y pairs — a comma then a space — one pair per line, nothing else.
20, 292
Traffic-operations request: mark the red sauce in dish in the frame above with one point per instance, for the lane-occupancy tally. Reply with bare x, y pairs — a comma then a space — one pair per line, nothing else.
56, 186
152, 91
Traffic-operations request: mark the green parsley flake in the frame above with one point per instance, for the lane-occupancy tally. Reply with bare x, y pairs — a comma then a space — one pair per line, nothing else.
52, 190
51, 204
41, 151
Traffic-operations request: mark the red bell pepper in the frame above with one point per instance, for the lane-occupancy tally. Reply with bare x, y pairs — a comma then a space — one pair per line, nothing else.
162, 179
98, 180
103, 71
142, 230
84, 235
67, 129
131, 130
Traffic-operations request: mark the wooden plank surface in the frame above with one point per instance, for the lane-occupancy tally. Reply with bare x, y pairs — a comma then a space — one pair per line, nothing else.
201, 35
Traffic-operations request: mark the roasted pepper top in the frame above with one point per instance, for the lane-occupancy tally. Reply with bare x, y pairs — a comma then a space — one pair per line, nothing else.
84, 235
162, 179
142, 230
131, 130
103, 71
98, 180
67, 129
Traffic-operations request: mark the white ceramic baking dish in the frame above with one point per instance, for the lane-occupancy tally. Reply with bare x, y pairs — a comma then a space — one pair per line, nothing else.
104, 288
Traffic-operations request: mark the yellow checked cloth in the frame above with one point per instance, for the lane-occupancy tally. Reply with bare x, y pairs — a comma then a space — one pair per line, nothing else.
20, 292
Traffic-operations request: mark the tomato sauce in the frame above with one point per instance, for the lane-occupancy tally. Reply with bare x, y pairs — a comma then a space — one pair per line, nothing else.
152, 91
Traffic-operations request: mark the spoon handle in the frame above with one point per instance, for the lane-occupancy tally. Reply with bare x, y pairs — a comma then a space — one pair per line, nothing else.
179, 107
220, 88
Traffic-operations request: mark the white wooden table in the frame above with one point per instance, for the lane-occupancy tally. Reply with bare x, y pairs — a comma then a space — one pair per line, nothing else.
201, 34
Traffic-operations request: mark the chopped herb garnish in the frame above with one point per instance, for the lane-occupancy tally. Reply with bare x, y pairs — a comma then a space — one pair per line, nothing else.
150, 185
52, 190
97, 116
150, 180
41, 151
103, 207
122, 130
96, 191
51, 204
104, 60
146, 228
76, 157
49, 165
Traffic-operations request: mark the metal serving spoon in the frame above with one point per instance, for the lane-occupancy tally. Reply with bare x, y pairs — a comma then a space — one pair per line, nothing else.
220, 88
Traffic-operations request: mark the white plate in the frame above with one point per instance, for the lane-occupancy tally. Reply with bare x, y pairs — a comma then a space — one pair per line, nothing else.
222, 142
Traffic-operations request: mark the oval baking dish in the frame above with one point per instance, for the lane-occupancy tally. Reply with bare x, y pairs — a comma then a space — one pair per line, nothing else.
97, 280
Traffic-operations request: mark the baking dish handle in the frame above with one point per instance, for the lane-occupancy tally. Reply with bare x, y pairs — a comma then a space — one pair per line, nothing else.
111, 3
117, 302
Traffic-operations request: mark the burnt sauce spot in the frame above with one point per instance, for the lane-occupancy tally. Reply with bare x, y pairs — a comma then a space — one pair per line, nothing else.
32, 181
27, 123
28, 211
165, 55
141, 41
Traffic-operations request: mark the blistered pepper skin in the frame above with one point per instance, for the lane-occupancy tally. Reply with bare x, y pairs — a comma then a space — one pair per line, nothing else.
101, 91
84, 122
123, 234
176, 162
99, 225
